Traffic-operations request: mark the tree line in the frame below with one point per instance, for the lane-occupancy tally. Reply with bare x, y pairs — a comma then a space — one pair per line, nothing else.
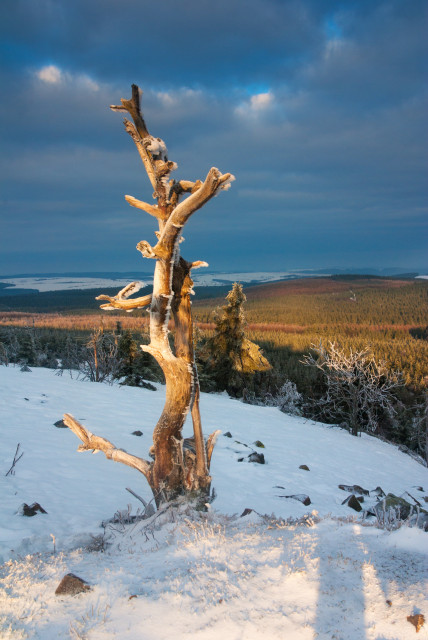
333, 381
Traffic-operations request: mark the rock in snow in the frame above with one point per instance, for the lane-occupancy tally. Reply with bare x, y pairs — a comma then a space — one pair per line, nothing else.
71, 585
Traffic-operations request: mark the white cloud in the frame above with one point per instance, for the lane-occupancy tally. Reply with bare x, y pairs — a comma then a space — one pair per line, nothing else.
256, 104
50, 74
87, 82
172, 98
261, 101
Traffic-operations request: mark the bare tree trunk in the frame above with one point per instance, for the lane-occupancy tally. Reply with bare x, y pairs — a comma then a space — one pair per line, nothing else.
175, 470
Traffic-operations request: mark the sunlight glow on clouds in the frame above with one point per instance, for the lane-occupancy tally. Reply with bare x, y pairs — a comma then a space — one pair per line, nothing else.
51, 74
258, 102
261, 101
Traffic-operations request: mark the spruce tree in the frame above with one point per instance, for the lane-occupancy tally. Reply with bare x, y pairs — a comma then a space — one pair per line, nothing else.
233, 358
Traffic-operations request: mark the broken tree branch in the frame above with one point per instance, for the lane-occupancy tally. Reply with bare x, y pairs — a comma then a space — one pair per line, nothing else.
144, 154
214, 181
126, 305
15, 460
151, 209
91, 442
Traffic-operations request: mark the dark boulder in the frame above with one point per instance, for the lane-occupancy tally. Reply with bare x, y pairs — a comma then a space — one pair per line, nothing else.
71, 585
256, 457
353, 502
400, 506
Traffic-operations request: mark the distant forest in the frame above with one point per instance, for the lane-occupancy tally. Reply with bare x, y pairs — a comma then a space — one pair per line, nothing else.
287, 319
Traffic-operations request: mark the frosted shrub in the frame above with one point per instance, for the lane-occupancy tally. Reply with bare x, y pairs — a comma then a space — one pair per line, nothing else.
361, 392
288, 399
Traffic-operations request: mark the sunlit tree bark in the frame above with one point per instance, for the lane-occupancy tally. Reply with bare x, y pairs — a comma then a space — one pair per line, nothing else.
175, 469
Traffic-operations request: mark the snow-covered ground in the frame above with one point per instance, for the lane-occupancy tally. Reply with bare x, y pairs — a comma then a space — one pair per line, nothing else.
326, 573
51, 283
57, 283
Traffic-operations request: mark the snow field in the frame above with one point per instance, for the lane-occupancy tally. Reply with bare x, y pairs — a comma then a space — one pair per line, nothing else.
205, 575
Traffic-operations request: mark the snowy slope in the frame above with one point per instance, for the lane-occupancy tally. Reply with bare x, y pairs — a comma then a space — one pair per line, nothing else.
225, 575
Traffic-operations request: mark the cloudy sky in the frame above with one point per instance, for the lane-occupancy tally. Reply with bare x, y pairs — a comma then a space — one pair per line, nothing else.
317, 106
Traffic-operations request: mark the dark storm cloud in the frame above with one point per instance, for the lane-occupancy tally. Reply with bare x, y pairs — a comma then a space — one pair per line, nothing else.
318, 108
191, 42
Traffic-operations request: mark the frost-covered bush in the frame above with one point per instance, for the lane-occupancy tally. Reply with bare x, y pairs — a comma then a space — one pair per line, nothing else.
360, 392
288, 399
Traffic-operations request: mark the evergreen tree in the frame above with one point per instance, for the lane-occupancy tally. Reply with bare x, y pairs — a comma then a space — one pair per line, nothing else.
28, 348
127, 353
233, 359
135, 366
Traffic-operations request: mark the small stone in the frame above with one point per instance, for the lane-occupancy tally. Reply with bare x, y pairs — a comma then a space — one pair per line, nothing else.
301, 497
353, 503
246, 512
256, 457
304, 467
227, 434
355, 488
419, 489
30, 511
71, 585
137, 433
417, 621
259, 444
60, 424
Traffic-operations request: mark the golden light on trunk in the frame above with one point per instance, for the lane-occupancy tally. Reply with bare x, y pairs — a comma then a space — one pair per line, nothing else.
176, 469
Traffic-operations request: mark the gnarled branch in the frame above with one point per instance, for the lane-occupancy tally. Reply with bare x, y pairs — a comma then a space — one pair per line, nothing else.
151, 209
133, 107
173, 471
126, 305
212, 439
91, 442
214, 181
120, 301
144, 154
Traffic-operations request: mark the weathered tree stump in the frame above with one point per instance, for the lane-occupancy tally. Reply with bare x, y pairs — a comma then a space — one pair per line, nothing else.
175, 470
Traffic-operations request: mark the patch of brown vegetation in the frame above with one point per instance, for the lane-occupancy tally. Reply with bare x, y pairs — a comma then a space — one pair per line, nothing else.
313, 286
72, 322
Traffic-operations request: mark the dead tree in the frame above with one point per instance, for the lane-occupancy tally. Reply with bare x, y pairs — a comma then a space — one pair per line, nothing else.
175, 469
